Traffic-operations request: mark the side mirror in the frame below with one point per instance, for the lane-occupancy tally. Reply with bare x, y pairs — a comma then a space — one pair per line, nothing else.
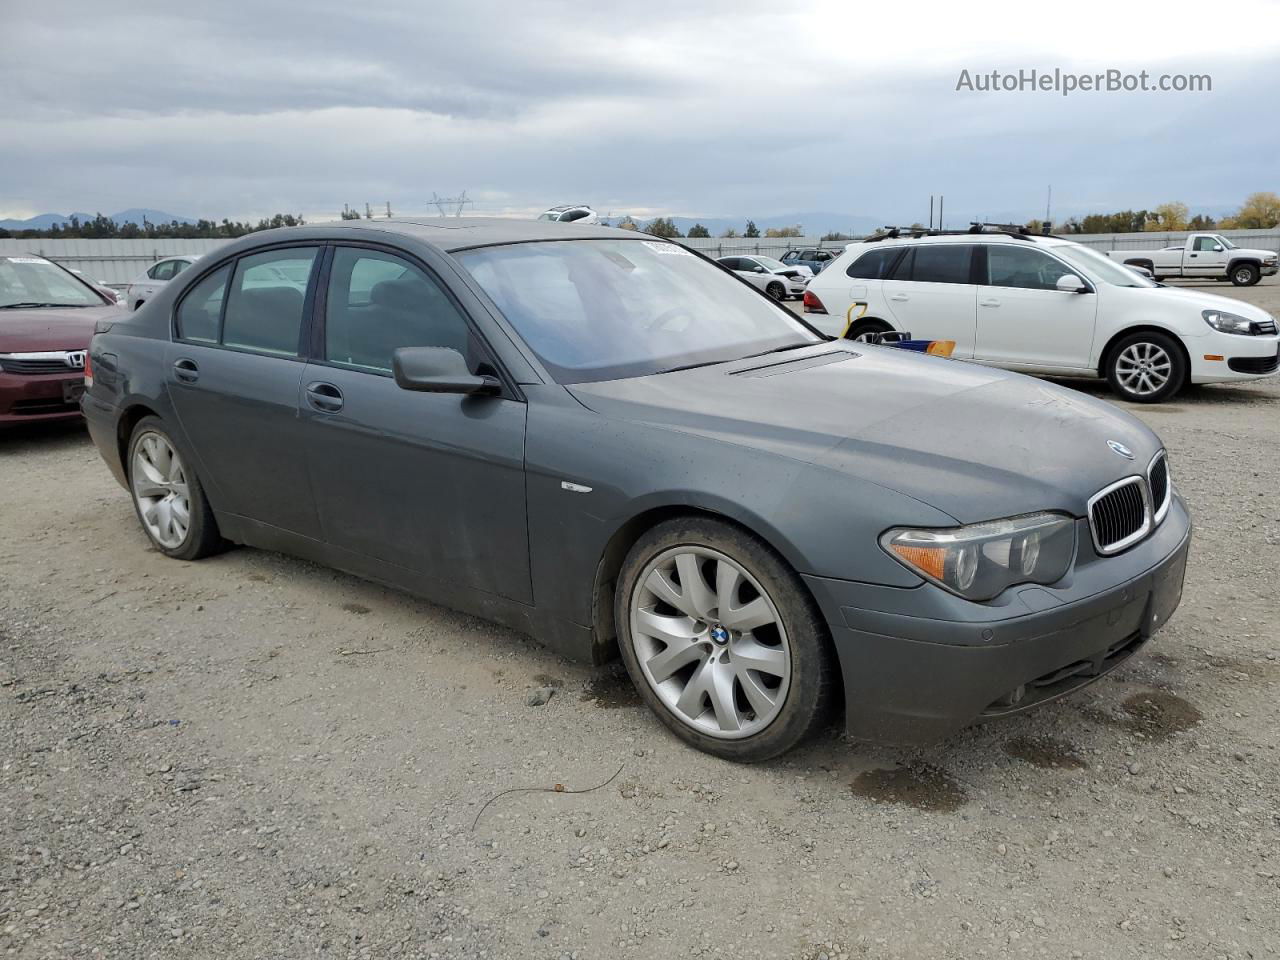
438, 370
759, 270
1070, 283
1217, 248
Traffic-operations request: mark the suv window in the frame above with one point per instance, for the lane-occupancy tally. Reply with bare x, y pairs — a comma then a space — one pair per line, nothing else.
379, 302
1022, 267
265, 304
939, 263
874, 264
202, 306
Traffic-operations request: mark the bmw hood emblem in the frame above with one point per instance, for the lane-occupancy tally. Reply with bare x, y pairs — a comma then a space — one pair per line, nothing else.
1120, 448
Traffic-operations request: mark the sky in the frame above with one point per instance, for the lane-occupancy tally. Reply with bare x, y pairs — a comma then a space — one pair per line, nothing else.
662, 108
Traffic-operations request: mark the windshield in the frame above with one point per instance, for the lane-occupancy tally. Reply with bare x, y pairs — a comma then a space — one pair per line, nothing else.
550, 215
771, 264
32, 281
609, 309
1097, 267
1225, 242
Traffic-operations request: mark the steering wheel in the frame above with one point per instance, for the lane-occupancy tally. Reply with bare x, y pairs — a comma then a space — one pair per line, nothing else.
661, 320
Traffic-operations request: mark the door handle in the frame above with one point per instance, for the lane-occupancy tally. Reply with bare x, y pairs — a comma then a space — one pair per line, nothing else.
324, 397
988, 303
899, 296
1191, 254
188, 371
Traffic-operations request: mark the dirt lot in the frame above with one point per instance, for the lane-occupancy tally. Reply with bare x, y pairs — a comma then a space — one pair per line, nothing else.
255, 757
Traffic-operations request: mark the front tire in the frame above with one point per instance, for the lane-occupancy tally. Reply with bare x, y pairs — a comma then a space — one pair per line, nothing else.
777, 291
167, 495
1245, 275
722, 641
1146, 367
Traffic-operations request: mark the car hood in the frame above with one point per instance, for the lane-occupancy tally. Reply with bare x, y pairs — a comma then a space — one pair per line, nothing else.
51, 328
1198, 300
974, 442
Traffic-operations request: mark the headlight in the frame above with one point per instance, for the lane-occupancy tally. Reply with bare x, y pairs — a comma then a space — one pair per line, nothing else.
1230, 323
979, 561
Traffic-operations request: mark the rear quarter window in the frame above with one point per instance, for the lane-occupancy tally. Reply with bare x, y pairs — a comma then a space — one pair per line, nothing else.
874, 264
201, 309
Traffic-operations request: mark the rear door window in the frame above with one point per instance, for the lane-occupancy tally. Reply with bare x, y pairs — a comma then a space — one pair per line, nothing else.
201, 308
941, 263
265, 306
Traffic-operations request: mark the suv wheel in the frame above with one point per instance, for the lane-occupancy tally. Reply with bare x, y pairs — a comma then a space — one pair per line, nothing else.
167, 495
722, 641
861, 329
1146, 367
1245, 275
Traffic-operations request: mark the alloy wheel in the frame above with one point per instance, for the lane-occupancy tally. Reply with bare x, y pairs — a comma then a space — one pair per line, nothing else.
1144, 368
160, 490
710, 642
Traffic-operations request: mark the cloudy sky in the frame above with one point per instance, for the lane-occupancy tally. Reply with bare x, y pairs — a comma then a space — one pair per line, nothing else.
686, 108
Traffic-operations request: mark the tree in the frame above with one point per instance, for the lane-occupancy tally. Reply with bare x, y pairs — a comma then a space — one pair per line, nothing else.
349, 214
836, 236
1201, 222
1169, 216
729, 234
626, 223
796, 231
663, 227
698, 231
751, 231
1260, 211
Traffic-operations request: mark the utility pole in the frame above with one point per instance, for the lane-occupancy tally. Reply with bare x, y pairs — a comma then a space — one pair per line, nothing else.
388, 209
1048, 203
459, 202
940, 199
931, 211
368, 211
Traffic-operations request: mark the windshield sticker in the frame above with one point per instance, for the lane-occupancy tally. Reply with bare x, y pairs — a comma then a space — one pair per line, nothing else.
25, 260
670, 249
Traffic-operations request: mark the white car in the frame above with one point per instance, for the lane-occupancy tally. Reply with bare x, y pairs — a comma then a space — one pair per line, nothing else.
156, 276
1209, 255
777, 279
1046, 306
578, 213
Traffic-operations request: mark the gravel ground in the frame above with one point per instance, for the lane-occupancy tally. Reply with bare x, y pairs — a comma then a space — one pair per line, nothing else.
251, 756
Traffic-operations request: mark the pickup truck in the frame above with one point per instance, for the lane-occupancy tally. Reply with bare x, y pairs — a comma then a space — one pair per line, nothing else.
1203, 255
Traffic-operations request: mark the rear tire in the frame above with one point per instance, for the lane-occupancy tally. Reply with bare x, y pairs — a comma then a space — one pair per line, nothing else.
167, 495
687, 645
860, 329
1245, 275
1146, 367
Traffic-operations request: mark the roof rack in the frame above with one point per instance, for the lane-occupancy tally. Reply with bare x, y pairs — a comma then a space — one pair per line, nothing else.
1015, 230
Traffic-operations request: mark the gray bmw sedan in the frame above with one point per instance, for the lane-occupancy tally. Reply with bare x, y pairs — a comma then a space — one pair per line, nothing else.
613, 444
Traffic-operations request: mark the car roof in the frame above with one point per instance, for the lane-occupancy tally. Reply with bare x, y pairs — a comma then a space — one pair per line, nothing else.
1037, 240
461, 233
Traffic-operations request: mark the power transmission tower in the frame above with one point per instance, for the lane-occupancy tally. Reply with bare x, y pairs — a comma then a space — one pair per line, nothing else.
457, 202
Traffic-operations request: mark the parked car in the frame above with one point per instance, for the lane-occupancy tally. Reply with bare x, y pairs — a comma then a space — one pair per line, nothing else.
572, 213
772, 276
47, 316
598, 438
155, 277
1203, 255
115, 296
815, 259
1047, 306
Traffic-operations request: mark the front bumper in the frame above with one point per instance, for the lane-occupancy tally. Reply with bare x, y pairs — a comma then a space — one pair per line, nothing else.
28, 398
910, 679
1269, 270
1242, 358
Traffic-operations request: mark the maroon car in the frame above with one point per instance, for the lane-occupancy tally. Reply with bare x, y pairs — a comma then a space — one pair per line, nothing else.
47, 316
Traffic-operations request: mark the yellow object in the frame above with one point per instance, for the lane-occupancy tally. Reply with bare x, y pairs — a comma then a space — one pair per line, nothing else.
941, 348
932, 560
849, 318
1212, 356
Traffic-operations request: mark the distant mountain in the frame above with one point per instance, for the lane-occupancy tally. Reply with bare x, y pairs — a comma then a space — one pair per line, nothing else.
133, 215
814, 224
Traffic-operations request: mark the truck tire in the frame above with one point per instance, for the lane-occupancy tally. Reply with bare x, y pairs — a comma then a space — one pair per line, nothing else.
1146, 366
1245, 275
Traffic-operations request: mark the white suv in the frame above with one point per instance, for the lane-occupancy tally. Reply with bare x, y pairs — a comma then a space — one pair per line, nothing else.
1043, 305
